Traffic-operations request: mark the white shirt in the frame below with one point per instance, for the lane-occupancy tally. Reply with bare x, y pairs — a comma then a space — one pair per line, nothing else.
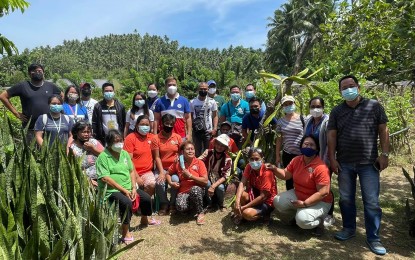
89, 105
136, 115
197, 108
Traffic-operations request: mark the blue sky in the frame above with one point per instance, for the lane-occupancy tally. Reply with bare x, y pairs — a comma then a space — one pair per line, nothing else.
194, 23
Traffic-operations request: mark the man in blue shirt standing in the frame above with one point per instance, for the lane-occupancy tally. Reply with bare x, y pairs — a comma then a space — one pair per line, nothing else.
233, 111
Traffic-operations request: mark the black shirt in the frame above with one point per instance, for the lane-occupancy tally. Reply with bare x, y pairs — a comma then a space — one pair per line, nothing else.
34, 100
357, 130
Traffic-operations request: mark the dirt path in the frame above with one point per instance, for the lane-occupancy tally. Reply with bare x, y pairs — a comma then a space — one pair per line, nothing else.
179, 237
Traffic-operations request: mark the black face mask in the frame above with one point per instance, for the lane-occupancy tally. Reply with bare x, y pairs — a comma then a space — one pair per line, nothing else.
203, 93
254, 111
37, 76
86, 92
167, 129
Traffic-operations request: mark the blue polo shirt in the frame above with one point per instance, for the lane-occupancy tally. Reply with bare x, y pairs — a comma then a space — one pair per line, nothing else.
236, 113
252, 123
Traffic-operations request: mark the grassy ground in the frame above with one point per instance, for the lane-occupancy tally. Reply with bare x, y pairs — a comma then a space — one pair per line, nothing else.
178, 237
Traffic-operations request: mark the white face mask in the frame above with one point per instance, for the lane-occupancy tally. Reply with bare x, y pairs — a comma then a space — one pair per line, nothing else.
212, 91
152, 93
172, 90
117, 147
316, 112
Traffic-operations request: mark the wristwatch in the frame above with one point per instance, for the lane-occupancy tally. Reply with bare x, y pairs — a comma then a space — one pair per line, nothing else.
385, 154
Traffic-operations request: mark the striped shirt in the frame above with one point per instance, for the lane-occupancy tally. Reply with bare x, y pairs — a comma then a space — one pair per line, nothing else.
292, 132
357, 130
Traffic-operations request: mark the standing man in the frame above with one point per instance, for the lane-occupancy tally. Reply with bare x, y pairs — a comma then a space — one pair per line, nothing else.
205, 119
353, 129
250, 92
86, 99
108, 114
213, 93
233, 111
34, 96
176, 105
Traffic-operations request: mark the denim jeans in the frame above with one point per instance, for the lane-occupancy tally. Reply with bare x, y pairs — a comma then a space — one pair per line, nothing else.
173, 192
218, 195
369, 183
161, 190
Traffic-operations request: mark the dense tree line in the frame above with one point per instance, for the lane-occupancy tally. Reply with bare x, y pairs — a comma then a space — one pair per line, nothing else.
136, 61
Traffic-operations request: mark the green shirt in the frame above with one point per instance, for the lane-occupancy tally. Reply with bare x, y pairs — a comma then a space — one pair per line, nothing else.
118, 170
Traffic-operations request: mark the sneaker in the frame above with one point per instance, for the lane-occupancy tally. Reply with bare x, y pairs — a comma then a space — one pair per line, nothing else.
376, 247
345, 234
329, 221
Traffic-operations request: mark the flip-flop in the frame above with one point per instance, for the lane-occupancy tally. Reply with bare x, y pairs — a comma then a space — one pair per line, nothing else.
127, 240
154, 222
200, 219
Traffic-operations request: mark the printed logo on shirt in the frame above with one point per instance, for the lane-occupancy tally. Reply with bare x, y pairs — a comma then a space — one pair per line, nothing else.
240, 111
179, 106
149, 141
173, 142
195, 167
125, 161
310, 170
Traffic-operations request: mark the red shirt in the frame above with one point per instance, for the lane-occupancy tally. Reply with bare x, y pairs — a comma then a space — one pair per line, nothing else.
196, 168
139, 147
262, 180
168, 148
307, 177
232, 145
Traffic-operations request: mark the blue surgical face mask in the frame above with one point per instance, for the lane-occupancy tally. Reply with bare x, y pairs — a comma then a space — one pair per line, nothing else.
249, 94
235, 96
143, 129
307, 151
55, 108
255, 165
350, 94
289, 109
109, 95
140, 103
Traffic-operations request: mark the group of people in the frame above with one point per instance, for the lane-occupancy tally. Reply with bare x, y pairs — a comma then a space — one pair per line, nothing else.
169, 141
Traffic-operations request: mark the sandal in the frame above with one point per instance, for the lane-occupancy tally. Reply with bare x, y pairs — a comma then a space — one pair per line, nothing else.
154, 222
200, 219
127, 240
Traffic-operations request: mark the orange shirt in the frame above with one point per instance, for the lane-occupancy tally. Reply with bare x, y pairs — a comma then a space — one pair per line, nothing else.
307, 177
196, 168
232, 145
262, 180
168, 148
139, 147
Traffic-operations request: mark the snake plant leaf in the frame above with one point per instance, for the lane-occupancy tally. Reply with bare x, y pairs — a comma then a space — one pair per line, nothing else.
127, 247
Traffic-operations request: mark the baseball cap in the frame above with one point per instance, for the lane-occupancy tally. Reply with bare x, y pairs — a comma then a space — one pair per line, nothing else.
287, 98
223, 139
226, 123
210, 82
84, 85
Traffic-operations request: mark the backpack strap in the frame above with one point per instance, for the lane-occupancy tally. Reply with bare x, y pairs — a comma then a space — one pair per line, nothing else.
302, 120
